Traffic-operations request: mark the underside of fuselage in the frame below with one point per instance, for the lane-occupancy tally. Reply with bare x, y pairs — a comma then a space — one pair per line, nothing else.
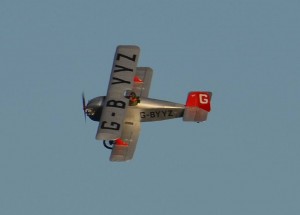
149, 110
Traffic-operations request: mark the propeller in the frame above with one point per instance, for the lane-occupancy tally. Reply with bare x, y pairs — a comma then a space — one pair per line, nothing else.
83, 106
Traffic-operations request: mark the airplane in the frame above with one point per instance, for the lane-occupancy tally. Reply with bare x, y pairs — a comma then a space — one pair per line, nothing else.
127, 104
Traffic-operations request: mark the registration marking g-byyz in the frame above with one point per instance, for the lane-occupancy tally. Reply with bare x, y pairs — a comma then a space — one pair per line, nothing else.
119, 68
154, 114
117, 79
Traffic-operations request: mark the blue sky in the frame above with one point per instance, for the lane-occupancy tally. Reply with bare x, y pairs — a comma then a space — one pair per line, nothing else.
243, 160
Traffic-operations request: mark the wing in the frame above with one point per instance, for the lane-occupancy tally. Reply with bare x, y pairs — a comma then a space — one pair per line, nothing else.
142, 81
130, 135
115, 104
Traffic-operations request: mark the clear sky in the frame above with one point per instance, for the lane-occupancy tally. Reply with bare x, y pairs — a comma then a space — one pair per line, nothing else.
243, 160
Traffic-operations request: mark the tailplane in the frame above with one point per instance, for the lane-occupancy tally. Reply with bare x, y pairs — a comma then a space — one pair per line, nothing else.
197, 106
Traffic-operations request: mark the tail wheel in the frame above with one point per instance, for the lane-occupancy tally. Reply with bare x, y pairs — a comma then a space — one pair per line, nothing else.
108, 145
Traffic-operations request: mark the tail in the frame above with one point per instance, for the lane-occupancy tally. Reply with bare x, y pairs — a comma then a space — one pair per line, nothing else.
197, 106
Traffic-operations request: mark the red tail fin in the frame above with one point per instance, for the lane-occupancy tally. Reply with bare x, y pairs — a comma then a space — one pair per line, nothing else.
199, 99
197, 106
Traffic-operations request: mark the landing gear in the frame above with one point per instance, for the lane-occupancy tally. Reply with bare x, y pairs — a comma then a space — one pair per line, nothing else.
118, 142
108, 145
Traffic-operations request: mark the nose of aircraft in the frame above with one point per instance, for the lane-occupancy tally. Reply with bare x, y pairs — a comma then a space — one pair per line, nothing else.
87, 108
92, 108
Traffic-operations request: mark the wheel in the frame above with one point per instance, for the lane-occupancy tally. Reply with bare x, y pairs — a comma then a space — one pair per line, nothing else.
108, 145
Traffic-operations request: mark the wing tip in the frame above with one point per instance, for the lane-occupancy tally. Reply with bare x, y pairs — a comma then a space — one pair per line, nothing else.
128, 47
119, 158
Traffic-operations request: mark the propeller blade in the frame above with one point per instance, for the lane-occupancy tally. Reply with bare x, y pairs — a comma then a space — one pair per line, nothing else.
83, 105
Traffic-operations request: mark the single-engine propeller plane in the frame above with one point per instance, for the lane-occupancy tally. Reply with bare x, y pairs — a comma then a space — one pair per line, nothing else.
127, 104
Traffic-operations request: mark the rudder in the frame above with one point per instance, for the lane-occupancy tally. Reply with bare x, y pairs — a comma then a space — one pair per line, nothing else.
197, 106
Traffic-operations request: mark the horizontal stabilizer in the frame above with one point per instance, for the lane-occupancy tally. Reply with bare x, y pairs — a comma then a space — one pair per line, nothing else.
194, 114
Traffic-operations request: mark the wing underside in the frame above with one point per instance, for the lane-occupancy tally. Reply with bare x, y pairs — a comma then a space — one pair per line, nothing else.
119, 121
130, 135
115, 104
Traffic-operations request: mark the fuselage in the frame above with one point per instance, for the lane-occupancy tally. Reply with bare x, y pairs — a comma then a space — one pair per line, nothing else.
147, 109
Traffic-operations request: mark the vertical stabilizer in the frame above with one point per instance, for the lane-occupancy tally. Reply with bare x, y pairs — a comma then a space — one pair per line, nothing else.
197, 106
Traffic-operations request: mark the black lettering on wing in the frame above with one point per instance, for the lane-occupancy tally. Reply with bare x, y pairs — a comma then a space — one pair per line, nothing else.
119, 81
116, 104
112, 126
122, 69
119, 56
